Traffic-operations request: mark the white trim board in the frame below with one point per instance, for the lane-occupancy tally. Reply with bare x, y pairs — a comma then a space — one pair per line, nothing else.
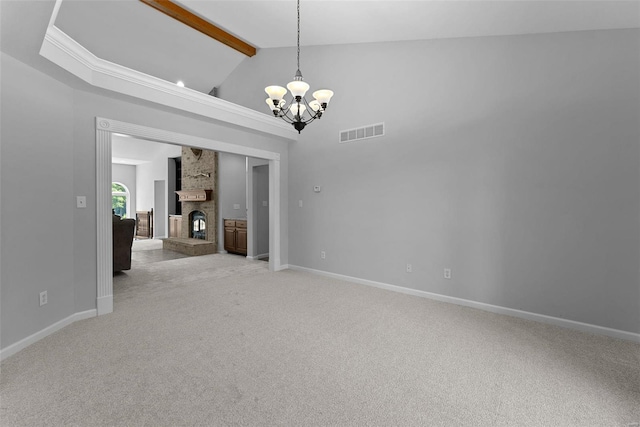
33, 338
64, 51
541, 318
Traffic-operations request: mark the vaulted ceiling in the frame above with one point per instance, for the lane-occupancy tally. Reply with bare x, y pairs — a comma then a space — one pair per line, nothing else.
132, 34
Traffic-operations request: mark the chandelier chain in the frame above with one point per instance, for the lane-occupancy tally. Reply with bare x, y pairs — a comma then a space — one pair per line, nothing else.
298, 34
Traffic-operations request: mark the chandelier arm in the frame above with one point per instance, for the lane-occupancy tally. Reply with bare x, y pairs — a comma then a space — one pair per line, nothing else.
315, 116
286, 118
284, 115
309, 109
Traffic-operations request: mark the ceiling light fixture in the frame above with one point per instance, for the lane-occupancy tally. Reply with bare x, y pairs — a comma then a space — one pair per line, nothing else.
300, 112
180, 83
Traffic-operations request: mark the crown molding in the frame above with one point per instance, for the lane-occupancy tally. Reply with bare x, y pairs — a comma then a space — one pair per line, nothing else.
67, 53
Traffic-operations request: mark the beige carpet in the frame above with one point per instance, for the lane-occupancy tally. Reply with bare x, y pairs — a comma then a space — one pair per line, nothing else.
220, 340
146, 245
150, 251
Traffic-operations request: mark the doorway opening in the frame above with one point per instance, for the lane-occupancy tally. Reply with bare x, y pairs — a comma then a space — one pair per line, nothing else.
105, 129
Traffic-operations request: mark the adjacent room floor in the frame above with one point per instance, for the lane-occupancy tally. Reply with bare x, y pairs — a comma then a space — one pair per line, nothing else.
146, 251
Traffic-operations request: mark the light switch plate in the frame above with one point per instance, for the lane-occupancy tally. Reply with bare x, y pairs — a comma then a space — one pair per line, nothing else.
317, 188
81, 202
236, 206
265, 203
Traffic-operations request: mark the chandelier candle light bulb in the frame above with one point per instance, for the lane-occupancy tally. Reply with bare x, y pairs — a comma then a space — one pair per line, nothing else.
295, 113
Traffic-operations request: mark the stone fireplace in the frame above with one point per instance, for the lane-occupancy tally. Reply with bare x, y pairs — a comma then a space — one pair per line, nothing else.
200, 172
199, 200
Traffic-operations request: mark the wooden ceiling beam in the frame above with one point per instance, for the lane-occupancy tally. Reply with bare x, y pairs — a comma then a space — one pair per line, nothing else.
194, 21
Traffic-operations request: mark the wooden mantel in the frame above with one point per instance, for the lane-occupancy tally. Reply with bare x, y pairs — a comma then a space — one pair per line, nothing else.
194, 195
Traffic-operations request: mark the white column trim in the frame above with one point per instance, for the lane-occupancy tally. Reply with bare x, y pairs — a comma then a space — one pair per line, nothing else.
104, 295
251, 223
274, 215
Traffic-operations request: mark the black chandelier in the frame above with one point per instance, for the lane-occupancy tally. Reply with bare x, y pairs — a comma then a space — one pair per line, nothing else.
299, 112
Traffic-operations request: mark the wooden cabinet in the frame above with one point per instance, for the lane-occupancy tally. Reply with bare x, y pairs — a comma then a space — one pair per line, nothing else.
235, 236
144, 224
175, 225
241, 237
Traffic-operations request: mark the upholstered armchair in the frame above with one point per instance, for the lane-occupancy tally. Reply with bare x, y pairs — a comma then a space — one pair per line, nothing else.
123, 231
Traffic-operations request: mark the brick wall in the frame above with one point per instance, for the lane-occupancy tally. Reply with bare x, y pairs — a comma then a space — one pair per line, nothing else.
192, 166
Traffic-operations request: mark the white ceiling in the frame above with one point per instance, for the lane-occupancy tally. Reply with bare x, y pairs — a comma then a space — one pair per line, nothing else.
137, 36
130, 33
268, 24
127, 150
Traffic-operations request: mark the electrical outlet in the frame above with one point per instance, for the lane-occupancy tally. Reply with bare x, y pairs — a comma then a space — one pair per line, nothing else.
323, 255
236, 206
81, 202
409, 268
43, 298
447, 273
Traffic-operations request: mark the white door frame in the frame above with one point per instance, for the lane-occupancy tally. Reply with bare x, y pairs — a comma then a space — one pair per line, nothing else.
251, 208
105, 128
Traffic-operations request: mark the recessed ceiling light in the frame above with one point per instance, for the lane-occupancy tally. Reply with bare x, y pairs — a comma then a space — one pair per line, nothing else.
180, 83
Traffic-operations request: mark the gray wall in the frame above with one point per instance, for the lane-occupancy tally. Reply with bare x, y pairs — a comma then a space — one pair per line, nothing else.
514, 161
160, 214
157, 169
38, 201
52, 127
126, 174
232, 190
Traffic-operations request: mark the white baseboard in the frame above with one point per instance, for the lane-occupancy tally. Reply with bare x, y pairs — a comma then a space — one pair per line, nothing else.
24, 343
105, 305
565, 323
287, 266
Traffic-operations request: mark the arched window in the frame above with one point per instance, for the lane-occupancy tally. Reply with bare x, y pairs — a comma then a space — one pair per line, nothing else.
120, 199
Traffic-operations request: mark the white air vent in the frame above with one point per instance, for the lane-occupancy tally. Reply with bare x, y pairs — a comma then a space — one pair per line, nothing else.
364, 132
